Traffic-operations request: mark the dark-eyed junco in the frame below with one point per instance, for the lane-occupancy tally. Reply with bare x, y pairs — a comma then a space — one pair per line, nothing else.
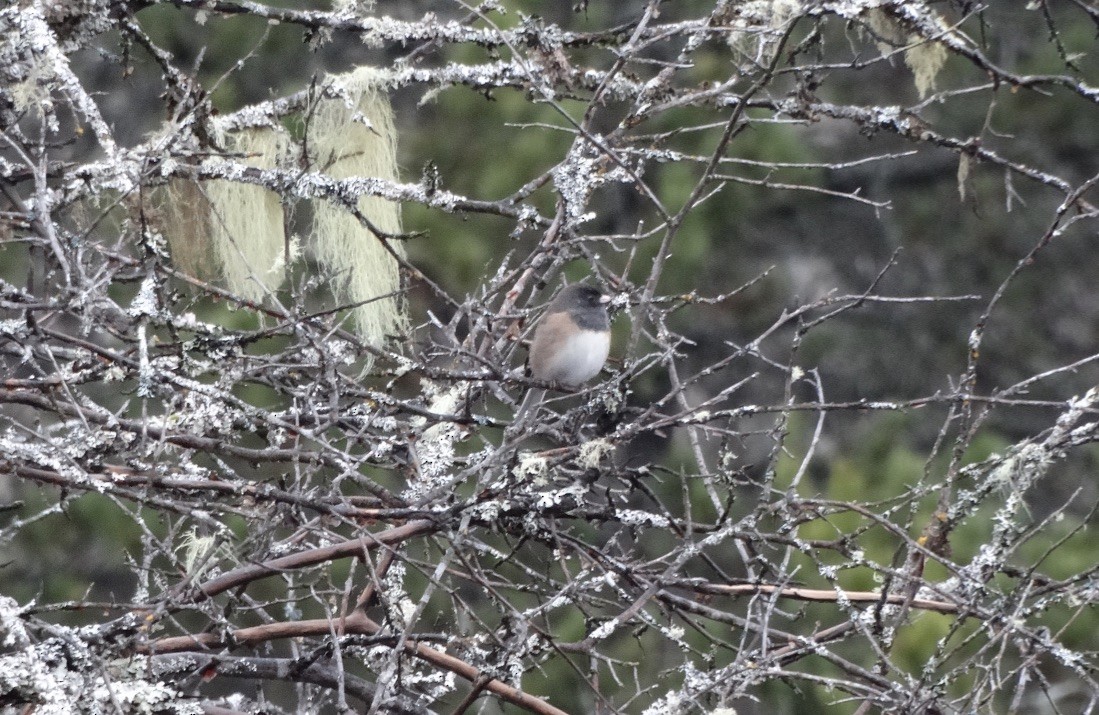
571, 342
573, 338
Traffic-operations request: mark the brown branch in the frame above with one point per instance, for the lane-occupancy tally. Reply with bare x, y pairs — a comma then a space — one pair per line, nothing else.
284, 669
311, 557
355, 623
823, 596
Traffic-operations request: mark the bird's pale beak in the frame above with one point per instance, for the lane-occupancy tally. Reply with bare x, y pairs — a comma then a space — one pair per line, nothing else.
604, 299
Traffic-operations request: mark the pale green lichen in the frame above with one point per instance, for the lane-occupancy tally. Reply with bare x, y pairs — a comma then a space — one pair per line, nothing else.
355, 136
925, 60
925, 57
592, 453
231, 228
532, 468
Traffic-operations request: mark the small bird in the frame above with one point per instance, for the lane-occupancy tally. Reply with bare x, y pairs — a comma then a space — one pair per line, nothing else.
571, 342
573, 338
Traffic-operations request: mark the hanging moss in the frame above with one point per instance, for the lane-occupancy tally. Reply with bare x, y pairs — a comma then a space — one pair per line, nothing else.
355, 137
231, 229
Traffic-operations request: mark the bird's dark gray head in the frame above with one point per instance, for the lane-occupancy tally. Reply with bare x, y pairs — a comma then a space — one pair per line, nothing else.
581, 295
586, 304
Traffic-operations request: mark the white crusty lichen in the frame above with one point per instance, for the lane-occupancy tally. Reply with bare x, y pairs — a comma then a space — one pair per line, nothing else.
567, 495
33, 93
16, 447
31, 51
436, 447
673, 703
63, 676
584, 170
758, 25
605, 629
695, 682
636, 517
12, 629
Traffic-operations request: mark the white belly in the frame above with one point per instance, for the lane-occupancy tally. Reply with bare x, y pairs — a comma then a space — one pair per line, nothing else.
580, 359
